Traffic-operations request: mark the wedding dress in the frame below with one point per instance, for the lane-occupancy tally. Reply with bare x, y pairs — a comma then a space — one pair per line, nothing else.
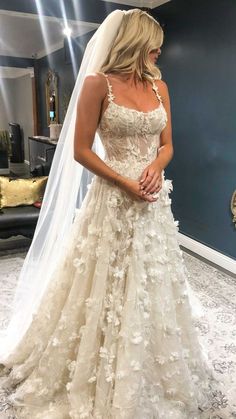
114, 334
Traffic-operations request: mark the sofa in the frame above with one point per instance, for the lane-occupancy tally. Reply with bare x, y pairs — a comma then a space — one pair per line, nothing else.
20, 201
20, 220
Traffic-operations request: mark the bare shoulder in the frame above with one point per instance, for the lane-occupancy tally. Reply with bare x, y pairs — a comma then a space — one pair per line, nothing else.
96, 83
162, 87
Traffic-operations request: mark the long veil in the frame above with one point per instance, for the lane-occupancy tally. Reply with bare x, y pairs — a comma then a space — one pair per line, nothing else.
63, 195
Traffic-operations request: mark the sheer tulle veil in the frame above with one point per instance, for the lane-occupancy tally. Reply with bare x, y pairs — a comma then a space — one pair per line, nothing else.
64, 193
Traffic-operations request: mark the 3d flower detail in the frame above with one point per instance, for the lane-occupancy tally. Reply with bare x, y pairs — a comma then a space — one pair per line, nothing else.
137, 338
174, 356
171, 391
135, 365
55, 342
90, 301
103, 352
68, 386
79, 265
121, 374
118, 273
92, 379
160, 359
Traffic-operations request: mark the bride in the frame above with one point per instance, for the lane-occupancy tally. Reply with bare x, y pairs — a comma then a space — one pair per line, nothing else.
102, 325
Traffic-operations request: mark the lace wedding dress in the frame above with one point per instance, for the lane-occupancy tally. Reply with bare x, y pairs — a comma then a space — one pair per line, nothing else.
114, 334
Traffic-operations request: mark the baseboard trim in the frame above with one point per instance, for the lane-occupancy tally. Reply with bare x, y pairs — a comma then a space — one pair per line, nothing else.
14, 244
219, 259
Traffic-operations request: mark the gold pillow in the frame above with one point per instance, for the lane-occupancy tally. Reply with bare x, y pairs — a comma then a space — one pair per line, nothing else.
15, 192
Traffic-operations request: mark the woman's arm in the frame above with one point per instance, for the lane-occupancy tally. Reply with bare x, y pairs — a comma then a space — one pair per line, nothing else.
89, 109
166, 151
151, 176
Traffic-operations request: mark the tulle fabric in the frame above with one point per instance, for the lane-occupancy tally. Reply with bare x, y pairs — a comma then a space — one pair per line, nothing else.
66, 186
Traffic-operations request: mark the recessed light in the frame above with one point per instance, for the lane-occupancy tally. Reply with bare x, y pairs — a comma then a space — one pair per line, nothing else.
67, 31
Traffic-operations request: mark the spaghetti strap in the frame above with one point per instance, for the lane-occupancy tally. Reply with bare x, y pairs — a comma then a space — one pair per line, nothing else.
110, 95
155, 88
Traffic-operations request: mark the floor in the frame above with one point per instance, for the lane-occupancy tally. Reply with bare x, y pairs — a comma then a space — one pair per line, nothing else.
213, 294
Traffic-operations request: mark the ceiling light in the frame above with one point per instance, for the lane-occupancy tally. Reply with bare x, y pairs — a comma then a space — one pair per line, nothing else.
67, 31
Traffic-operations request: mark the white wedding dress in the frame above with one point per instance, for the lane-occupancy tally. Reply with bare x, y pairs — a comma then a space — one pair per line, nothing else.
114, 334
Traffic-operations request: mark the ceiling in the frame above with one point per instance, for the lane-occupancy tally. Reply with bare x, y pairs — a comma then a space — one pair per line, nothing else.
33, 29
28, 28
140, 3
18, 21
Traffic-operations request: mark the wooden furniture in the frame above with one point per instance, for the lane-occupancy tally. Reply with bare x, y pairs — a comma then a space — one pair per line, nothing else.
41, 152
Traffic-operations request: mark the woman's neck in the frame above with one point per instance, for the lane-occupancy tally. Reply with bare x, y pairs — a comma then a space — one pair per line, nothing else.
130, 78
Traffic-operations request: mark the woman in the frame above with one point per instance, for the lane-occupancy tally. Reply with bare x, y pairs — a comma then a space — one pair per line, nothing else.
113, 335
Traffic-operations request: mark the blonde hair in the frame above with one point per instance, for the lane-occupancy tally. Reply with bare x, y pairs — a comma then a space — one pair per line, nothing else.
138, 35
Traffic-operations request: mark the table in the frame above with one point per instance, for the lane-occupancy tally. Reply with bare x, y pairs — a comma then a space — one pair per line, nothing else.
41, 152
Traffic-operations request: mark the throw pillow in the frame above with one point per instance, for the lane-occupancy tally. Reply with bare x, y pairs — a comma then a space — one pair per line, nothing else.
16, 192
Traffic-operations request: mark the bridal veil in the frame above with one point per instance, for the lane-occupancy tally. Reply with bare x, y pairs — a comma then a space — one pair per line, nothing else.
64, 192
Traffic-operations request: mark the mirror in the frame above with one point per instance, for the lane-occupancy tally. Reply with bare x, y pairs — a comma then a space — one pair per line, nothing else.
51, 88
233, 207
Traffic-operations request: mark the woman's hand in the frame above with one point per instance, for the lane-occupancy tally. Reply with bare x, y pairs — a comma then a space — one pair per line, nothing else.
133, 189
151, 179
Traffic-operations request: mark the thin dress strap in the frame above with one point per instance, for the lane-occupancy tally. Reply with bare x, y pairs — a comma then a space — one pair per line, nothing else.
110, 95
155, 88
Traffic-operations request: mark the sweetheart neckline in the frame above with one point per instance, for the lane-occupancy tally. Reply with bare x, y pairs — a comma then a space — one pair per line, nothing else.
133, 110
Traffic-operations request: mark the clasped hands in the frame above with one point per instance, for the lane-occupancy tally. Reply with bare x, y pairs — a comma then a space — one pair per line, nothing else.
148, 184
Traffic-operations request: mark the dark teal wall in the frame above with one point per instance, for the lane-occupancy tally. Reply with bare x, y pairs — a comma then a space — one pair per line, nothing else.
7, 61
198, 62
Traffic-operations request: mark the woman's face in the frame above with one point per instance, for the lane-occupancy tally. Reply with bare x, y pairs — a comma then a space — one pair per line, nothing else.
154, 54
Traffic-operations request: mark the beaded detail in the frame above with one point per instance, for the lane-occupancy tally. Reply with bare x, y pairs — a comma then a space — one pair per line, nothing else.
131, 138
111, 96
155, 88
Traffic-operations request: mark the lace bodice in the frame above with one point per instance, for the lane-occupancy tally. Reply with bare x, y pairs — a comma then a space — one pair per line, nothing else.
131, 137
